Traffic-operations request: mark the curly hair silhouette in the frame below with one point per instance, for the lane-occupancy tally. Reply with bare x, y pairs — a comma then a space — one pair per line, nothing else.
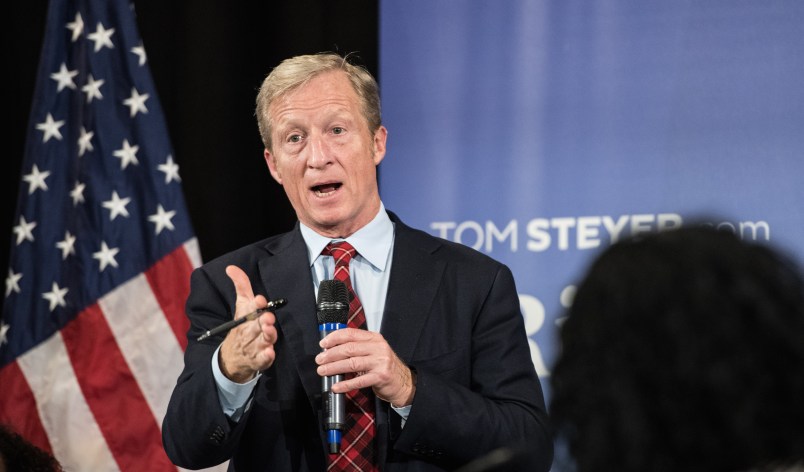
683, 351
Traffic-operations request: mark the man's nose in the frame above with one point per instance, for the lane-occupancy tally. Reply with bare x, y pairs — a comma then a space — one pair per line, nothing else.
319, 152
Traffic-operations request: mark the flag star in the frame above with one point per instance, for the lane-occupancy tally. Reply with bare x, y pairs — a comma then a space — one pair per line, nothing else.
36, 179
127, 154
106, 256
117, 206
12, 282
171, 170
55, 296
77, 193
24, 230
102, 37
77, 26
92, 88
64, 77
3, 330
51, 128
85, 141
136, 102
67, 245
162, 219
140, 52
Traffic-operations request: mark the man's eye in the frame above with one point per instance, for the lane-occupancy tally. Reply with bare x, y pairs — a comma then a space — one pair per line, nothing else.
295, 138
338, 130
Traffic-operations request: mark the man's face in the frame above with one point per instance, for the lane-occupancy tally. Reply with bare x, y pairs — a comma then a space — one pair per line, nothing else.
325, 156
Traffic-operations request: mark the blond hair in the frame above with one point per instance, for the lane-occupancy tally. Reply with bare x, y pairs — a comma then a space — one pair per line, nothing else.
294, 72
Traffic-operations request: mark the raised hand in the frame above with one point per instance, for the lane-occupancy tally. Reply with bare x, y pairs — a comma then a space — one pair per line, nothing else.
248, 348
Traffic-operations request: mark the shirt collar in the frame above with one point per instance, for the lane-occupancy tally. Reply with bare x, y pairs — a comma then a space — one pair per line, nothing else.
373, 242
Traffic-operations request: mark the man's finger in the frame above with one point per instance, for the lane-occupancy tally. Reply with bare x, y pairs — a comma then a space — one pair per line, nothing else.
342, 336
241, 282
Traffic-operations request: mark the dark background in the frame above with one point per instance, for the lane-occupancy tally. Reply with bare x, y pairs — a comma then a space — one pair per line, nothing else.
208, 59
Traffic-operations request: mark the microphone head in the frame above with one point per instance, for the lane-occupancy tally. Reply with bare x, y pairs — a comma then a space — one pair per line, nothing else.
332, 305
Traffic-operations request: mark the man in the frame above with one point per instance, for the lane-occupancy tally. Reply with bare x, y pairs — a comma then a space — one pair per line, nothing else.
444, 362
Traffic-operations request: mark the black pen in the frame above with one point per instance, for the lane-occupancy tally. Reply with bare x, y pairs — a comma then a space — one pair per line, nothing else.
251, 316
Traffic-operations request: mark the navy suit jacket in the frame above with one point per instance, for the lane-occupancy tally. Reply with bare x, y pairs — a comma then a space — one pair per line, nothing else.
451, 313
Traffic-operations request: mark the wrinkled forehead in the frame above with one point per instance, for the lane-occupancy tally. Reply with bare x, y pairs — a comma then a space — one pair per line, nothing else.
328, 92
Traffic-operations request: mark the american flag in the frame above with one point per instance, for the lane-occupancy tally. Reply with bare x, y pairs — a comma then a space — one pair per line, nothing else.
93, 327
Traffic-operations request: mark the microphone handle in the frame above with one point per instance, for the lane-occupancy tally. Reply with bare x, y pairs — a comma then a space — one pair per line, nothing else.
334, 406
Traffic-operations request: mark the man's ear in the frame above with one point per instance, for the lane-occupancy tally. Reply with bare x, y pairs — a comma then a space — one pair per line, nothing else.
270, 160
380, 136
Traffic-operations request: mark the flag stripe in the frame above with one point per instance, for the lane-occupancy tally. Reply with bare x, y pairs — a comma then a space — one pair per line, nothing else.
145, 339
17, 407
101, 369
93, 328
75, 438
170, 279
193, 252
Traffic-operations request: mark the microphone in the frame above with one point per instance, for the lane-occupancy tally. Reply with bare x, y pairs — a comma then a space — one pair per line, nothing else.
332, 311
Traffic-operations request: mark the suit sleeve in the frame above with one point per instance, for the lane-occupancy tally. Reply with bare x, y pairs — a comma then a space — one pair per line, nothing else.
482, 392
195, 431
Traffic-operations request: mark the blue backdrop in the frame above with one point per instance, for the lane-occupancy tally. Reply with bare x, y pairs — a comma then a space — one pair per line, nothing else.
539, 131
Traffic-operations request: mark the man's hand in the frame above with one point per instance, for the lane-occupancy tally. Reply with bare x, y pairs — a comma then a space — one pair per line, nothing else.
248, 348
368, 355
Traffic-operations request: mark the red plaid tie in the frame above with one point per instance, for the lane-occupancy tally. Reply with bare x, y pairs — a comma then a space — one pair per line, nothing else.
357, 445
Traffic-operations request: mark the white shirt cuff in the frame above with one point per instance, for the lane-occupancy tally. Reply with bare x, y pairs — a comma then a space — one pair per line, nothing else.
403, 412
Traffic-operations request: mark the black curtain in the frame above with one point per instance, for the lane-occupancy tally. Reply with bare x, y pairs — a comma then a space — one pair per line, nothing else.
207, 58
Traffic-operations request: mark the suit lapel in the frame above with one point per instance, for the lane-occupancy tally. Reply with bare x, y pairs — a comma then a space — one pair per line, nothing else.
415, 275
286, 274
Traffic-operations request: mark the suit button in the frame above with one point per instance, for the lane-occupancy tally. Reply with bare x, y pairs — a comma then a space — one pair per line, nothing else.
217, 435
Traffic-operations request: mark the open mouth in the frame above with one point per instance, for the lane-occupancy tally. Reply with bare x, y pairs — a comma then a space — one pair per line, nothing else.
326, 189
